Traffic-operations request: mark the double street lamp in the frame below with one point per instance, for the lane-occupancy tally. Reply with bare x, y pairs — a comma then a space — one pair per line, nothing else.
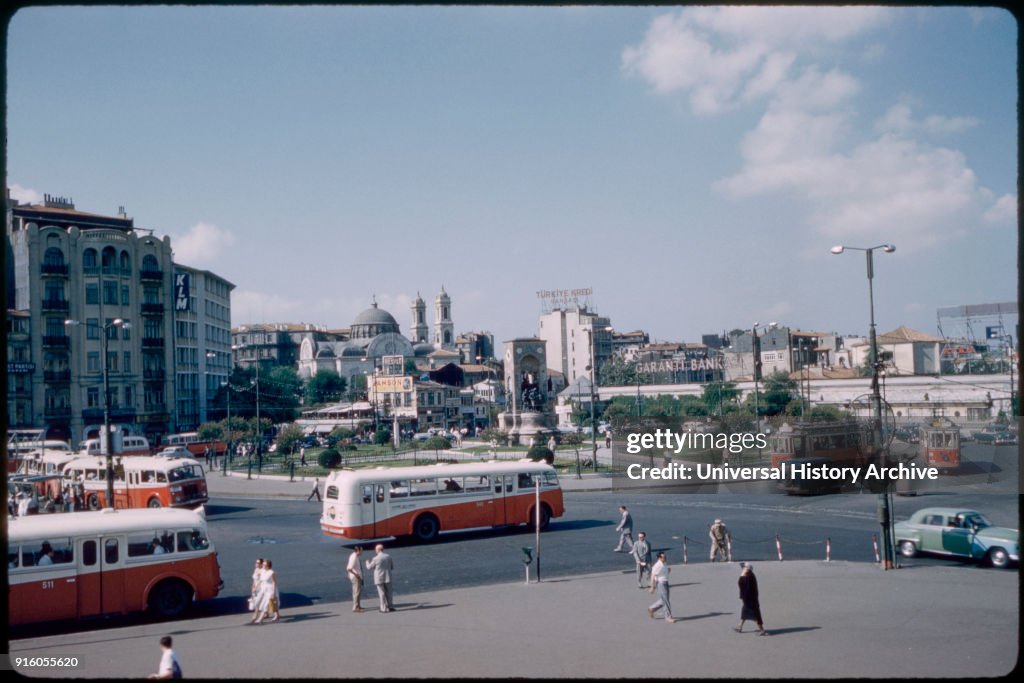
884, 505
108, 447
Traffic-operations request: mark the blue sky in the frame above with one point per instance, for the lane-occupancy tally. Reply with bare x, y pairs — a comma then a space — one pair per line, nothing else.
693, 165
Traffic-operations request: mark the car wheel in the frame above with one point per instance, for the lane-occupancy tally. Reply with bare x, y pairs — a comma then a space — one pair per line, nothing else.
998, 558
908, 549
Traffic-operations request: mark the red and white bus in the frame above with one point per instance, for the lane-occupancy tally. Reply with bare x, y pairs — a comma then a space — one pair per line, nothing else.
139, 481
108, 562
423, 501
194, 444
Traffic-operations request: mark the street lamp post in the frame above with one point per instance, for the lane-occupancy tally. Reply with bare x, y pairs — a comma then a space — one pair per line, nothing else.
884, 504
108, 448
593, 389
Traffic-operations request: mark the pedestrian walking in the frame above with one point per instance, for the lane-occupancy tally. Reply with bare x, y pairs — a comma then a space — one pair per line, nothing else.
659, 584
169, 667
254, 588
625, 529
355, 575
302, 456
267, 602
315, 491
642, 554
607, 438
717, 533
751, 608
382, 566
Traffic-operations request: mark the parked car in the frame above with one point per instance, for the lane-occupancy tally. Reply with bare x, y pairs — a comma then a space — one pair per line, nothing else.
995, 438
959, 533
175, 452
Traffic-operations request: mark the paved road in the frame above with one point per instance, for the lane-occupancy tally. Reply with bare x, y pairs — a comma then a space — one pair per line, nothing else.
826, 621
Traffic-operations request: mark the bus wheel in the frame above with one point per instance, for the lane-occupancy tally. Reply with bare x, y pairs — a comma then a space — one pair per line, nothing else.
93, 501
545, 517
425, 528
170, 599
154, 502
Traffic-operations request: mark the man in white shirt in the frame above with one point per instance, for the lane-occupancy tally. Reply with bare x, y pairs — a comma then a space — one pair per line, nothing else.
355, 575
659, 582
169, 665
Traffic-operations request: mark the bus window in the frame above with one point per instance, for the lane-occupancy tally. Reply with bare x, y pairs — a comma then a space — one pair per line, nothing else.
111, 553
192, 540
161, 477
13, 555
399, 489
380, 493
89, 553
367, 493
148, 477
478, 484
452, 485
332, 493
550, 479
55, 551
525, 480
424, 487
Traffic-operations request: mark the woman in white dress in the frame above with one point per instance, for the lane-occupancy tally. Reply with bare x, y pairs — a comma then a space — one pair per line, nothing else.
267, 601
254, 590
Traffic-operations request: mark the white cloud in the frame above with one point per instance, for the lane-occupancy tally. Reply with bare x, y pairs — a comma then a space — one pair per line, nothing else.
201, 245
249, 307
1003, 210
721, 55
25, 195
900, 119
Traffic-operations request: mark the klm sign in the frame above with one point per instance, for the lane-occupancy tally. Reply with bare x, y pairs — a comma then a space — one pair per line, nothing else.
182, 282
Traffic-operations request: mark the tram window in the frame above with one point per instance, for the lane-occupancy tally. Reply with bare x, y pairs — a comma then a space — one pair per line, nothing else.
89, 553
111, 553
60, 551
13, 555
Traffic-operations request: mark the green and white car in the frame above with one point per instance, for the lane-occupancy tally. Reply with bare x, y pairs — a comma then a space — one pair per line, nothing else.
957, 532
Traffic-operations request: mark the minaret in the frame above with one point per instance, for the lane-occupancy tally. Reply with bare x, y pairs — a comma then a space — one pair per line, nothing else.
419, 320
444, 329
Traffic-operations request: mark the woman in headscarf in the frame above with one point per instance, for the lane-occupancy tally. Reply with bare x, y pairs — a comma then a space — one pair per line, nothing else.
748, 596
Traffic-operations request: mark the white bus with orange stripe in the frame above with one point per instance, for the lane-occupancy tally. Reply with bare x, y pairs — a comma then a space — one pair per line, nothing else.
423, 501
109, 562
139, 481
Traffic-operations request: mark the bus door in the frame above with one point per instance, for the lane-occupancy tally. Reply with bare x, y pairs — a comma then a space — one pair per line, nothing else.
112, 575
503, 484
374, 506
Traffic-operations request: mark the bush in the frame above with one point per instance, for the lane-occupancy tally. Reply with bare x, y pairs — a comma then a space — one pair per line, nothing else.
382, 437
539, 451
436, 443
572, 439
329, 459
347, 446
342, 433
491, 434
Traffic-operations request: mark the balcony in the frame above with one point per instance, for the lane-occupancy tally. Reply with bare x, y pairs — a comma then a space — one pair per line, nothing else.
120, 415
58, 305
58, 341
54, 269
57, 375
154, 375
92, 415
157, 275
152, 309
153, 342
57, 413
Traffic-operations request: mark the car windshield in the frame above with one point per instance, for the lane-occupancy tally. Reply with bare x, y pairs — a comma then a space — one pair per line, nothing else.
976, 520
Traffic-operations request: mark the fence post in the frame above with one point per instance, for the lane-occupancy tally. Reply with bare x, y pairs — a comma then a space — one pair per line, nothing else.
685, 556
778, 546
874, 542
728, 547
828, 549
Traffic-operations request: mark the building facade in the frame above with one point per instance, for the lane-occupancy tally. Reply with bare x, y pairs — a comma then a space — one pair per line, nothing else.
573, 336
99, 292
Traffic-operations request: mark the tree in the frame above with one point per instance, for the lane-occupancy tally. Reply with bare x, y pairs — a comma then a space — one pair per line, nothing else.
617, 372
720, 396
210, 431
280, 389
341, 434
289, 438
329, 459
324, 386
778, 391
539, 451
617, 413
436, 444
383, 436
357, 388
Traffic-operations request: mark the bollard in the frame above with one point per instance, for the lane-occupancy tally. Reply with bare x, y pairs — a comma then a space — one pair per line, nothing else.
778, 546
728, 547
874, 542
685, 556
828, 549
